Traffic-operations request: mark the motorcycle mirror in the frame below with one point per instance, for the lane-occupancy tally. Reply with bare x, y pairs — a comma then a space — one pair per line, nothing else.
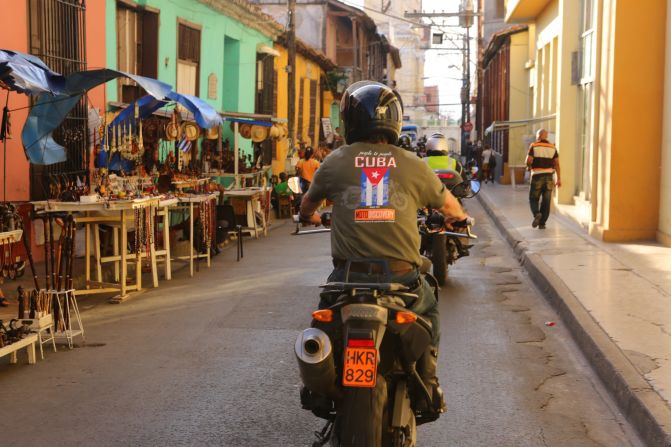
466, 189
475, 186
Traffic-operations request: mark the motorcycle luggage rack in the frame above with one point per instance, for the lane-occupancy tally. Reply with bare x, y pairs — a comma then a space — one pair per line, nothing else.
381, 286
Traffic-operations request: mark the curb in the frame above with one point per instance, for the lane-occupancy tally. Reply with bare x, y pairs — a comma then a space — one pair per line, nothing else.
645, 410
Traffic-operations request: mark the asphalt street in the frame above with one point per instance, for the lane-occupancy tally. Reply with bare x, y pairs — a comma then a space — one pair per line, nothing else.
209, 361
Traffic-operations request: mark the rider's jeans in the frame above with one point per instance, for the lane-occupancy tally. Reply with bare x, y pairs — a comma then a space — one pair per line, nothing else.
425, 305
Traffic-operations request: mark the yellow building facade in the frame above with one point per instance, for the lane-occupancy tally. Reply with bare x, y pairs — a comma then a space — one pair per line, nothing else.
598, 68
311, 99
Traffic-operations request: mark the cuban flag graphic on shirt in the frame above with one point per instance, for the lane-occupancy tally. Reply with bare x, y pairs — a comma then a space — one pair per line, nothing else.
374, 186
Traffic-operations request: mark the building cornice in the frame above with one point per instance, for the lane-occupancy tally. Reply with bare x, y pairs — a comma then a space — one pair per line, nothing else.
497, 40
247, 14
310, 53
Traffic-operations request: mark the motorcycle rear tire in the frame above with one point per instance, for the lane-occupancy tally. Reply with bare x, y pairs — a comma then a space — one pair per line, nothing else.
362, 418
439, 257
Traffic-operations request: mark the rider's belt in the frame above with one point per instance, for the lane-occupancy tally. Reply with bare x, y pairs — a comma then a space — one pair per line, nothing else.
397, 267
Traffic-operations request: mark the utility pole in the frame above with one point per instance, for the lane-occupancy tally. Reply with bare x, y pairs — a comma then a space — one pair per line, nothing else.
465, 15
479, 73
291, 72
466, 21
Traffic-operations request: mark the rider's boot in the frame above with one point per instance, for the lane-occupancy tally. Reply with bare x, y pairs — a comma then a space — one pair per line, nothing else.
426, 367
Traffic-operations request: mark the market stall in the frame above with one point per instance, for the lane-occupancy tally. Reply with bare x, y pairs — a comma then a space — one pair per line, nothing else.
160, 165
48, 311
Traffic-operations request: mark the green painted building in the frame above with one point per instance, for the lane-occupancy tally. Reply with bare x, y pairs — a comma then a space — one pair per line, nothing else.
207, 48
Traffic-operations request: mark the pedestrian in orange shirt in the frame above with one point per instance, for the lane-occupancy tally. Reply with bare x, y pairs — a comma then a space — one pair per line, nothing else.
306, 168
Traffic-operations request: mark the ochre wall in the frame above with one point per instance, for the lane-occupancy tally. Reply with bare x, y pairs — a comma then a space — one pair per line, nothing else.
301, 129
631, 120
664, 233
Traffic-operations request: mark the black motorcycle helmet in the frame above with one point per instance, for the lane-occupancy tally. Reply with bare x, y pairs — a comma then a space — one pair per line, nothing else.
368, 108
405, 142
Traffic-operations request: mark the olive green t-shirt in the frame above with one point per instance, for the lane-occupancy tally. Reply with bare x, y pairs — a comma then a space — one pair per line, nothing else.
376, 190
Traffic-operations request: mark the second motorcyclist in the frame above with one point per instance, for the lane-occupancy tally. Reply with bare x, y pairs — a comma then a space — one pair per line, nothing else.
437, 154
376, 188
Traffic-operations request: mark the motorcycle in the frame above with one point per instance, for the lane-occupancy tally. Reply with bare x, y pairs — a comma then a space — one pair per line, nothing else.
358, 361
442, 246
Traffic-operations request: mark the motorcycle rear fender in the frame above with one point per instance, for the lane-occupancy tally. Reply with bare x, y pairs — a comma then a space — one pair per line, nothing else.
356, 328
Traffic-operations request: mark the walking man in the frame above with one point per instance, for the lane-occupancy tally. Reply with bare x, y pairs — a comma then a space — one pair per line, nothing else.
543, 162
488, 164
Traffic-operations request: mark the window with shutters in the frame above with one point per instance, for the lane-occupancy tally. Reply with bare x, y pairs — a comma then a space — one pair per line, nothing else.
301, 106
188, 58
313, 111
137, 47
57, 30
265, 87
275, 92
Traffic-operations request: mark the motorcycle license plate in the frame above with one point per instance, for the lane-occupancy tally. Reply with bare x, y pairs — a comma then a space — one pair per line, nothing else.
360, 368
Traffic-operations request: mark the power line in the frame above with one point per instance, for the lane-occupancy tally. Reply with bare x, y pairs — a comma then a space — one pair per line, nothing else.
383, 13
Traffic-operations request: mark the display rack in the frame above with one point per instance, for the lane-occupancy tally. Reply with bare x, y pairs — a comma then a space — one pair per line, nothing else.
8, 237
43, 322
72, 325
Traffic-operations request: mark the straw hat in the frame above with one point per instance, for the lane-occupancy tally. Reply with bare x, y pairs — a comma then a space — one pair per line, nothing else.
212, 133
172, 131
191, 131
259, 133
245, 130
278, 131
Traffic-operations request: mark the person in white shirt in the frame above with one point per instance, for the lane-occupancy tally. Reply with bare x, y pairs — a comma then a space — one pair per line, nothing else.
488, 164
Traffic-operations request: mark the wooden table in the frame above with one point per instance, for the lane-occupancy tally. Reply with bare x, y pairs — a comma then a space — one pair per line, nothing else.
164, 213
252, 197
27, 342
186, 203
254, 176
120, 257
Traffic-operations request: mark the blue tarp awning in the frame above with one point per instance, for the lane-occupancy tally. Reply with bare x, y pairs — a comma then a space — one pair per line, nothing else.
146, 106
248, 121
204, 114
50, 111
28, 74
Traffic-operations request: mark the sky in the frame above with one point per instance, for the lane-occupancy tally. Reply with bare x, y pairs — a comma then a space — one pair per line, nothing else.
444, 65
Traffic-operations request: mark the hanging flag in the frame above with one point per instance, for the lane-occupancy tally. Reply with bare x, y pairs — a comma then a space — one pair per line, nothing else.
184, 145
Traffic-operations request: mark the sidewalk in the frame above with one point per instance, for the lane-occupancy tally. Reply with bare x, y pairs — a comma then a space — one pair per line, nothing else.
615, 299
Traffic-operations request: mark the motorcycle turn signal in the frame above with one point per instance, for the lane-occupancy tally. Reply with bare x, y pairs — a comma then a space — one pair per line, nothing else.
324, 315
403, 317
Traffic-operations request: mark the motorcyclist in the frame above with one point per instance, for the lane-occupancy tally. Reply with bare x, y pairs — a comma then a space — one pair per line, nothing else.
438, 158
405, 142
376, 188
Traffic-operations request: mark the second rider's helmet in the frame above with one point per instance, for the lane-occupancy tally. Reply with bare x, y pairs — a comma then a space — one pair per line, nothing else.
368, 108
405, 142
437, 143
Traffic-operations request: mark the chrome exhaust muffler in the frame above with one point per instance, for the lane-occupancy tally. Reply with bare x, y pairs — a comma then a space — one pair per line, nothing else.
314, 353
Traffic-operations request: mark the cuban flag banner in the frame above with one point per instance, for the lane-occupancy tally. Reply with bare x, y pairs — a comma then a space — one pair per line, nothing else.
374, 186
184, 145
